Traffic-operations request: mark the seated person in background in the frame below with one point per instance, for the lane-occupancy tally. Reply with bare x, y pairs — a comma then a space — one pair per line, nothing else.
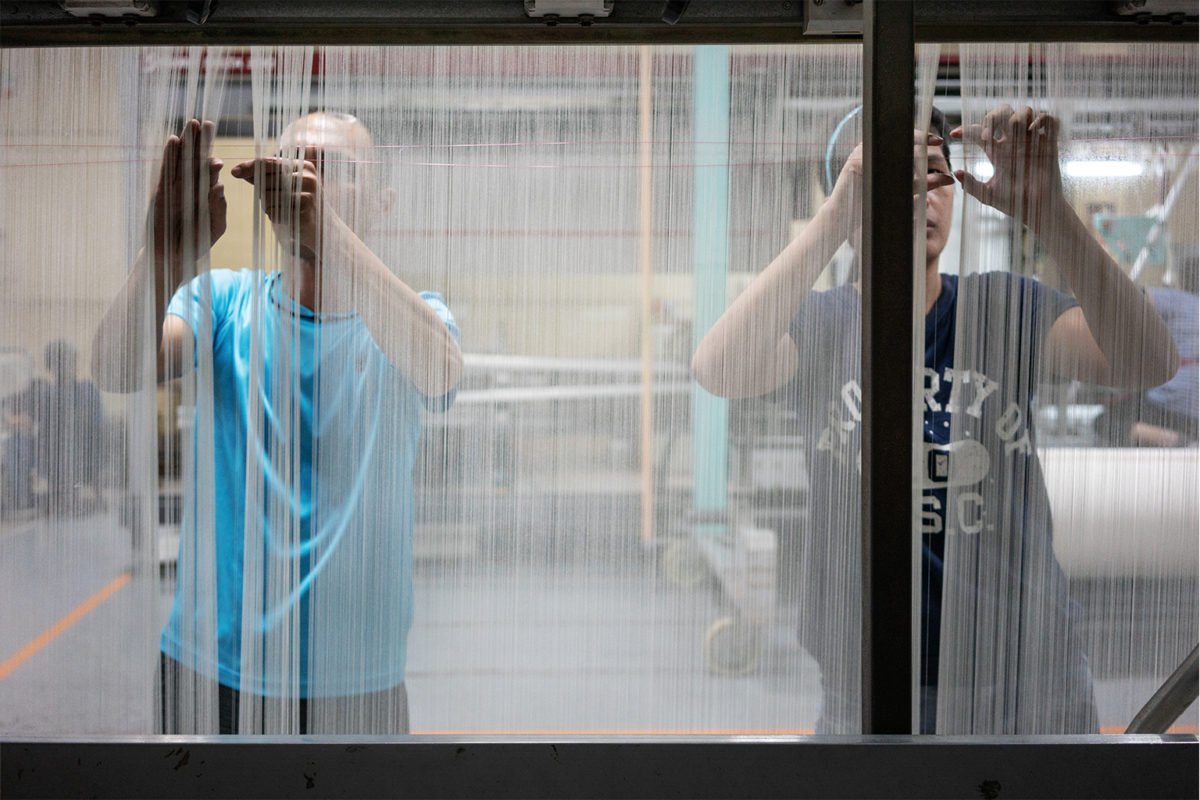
56, 433
320, 374
1165, 416
70, 429
1016, 665
19, 410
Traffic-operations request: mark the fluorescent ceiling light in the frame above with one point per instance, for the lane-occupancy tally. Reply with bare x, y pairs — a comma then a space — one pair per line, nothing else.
1076, 169
982, 170
1103, 169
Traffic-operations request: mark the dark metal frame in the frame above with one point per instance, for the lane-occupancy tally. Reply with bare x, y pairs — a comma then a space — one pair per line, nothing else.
667, 769
894, 766
42, 23
887, 370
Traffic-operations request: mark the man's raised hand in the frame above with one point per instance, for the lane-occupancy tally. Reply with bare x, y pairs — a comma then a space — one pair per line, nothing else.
187, 213
1023, 147
290, 192
849, 182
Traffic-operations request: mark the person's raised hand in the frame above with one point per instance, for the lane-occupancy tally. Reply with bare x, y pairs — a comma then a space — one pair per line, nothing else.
847, 192
849, 182
187, 211
1023, 148
934, 177
290, 192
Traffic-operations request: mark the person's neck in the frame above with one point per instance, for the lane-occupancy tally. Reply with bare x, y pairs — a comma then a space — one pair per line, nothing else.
933, 284
300, 282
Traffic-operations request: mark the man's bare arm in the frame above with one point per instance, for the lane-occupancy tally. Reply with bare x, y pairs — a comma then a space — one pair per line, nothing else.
187, 214
749, 352
406, 328
1115, 337
408, 331
119, 350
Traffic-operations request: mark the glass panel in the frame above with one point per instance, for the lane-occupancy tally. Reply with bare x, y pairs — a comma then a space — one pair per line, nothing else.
79, 469
502, 506
787, 352
1061, 395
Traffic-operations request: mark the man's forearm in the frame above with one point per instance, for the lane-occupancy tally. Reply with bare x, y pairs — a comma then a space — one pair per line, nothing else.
1132, 336
119, 349
739, 356
408, 331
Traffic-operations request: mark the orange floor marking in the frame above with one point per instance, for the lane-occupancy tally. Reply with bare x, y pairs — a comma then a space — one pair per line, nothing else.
1107, 729
623, 732
54, 631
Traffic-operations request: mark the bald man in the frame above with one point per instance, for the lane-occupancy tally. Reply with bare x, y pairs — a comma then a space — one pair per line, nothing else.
321, 370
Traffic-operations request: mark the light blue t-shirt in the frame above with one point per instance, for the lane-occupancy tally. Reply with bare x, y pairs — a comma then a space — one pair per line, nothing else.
334, 514
1180, 310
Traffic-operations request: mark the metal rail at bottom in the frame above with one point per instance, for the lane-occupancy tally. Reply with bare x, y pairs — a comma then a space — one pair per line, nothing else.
703, 767
1172, 699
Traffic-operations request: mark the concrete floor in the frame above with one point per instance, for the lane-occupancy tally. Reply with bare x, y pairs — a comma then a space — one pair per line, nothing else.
525, 646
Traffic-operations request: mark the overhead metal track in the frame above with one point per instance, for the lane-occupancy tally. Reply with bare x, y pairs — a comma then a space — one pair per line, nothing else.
45, 22
245, 22
1050, 21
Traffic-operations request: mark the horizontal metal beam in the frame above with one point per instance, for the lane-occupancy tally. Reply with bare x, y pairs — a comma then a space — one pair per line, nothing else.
246, 22
44, 23
762, 767
1045, 21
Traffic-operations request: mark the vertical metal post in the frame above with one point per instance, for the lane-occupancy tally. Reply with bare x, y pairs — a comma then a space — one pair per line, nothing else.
710, 258
887, 371
139, 510
646, 269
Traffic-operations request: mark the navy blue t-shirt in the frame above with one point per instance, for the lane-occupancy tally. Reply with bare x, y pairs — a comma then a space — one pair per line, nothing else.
982, 479
1030, 308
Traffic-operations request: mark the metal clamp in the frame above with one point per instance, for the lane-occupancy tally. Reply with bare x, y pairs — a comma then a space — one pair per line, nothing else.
583, 12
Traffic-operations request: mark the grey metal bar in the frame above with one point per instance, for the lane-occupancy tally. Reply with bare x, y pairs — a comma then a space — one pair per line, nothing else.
826, 767
44, 23
353, 32
1172, 698
887, 371
1034, 30
1043, 20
